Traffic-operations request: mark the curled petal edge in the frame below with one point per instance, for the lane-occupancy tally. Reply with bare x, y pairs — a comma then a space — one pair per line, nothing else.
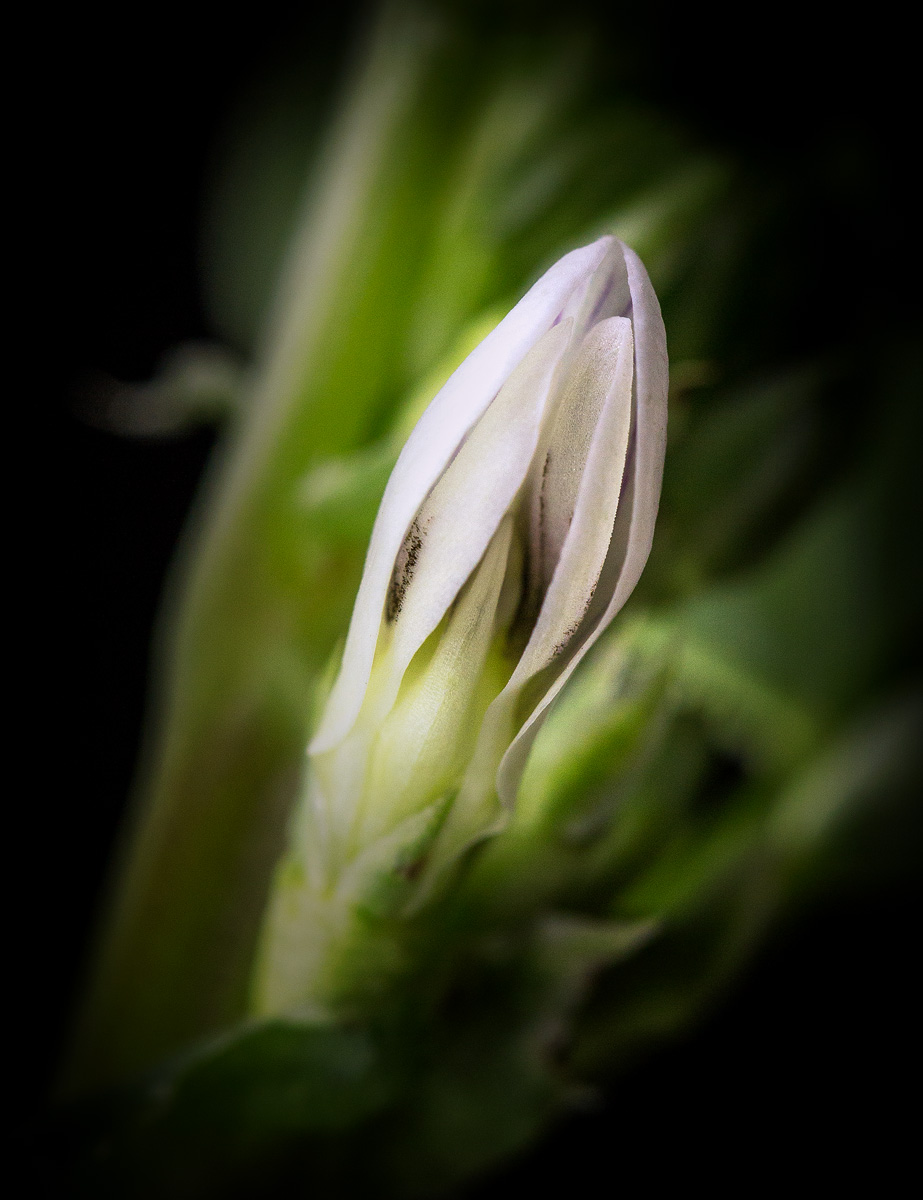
642, 487
426, 454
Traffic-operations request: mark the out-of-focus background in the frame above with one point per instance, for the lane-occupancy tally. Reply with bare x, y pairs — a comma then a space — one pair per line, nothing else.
809, 1053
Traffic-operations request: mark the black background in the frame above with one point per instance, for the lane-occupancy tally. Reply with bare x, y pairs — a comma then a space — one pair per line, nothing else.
806, 1069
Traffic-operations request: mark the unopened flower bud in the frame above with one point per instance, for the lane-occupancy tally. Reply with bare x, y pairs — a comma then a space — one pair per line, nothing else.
514, 527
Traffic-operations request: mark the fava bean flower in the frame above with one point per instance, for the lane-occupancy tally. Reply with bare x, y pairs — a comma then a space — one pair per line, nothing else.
514, 526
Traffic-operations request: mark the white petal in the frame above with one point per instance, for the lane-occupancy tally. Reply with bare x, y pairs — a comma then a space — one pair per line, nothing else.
426, 726
638, 508
560, 474
456, 522
608, 293
424, 458
601, 388
584, 481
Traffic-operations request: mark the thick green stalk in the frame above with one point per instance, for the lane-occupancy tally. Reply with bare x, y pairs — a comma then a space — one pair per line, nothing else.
260, 608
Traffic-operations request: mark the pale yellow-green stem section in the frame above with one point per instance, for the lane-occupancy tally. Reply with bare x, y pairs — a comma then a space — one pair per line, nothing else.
372, 805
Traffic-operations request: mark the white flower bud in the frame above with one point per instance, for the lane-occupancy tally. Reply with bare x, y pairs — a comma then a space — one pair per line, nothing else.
514, 527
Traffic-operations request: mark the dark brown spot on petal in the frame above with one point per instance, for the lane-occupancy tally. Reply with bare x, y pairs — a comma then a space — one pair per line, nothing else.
404, 567
538, 561
572, 629
562, 644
